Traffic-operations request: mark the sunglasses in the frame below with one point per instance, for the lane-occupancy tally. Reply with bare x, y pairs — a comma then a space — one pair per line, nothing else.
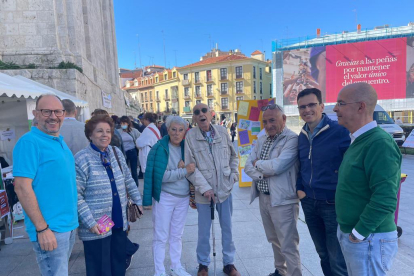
271, 106
197, 111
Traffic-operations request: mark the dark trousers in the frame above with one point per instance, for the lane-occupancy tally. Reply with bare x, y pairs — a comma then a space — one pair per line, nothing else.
107, 256
131, 248
320, 216
132, 161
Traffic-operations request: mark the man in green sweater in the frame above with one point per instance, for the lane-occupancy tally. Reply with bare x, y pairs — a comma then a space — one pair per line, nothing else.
369, 178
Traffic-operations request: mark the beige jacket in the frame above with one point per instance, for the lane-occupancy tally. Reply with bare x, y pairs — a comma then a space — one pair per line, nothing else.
217, 171
281, 168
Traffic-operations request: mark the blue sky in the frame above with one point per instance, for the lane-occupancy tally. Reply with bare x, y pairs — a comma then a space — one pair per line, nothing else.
191, 28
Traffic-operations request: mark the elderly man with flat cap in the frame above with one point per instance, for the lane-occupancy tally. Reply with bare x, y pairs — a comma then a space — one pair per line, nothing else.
368, 183
210, 148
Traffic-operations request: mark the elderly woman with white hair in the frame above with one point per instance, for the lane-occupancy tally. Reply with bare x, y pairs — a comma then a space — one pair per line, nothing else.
166, 187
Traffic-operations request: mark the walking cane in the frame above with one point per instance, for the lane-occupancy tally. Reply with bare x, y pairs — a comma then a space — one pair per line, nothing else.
214, 235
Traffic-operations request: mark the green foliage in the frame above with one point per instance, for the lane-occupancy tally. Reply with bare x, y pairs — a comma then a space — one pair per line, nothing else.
8, 65
69, 65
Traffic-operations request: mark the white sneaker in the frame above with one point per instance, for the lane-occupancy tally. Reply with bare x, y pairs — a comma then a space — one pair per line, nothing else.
179, 272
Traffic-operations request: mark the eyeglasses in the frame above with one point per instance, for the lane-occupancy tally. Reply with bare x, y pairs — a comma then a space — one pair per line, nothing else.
339, 104
197, 111
48, 112
311, 106
271, 106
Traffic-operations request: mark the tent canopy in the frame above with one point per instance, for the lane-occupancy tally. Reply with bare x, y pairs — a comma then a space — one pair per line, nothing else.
19, 86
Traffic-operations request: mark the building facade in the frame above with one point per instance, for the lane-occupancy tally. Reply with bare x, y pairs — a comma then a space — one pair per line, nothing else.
218, 80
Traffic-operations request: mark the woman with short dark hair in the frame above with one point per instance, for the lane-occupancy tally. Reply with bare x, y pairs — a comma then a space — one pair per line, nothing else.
103, 181
129, 137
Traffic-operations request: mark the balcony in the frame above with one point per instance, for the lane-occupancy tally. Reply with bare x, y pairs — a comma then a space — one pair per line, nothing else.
210, 95
210, 79
198, 95
239, 76
239, 92
224, 92
187, 109
187, 96
157, 99
224, 107
186, 82
167, 98
223, 78
198, 81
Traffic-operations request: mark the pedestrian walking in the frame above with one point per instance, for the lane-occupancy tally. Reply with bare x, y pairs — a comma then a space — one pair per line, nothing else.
129, 137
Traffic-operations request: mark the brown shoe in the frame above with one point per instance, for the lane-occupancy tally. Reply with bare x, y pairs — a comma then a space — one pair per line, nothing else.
231, 270
202, 270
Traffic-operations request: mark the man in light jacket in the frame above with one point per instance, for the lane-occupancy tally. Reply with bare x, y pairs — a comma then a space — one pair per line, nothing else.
210, 148
273, 166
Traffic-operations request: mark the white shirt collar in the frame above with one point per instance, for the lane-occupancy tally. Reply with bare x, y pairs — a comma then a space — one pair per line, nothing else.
362, 130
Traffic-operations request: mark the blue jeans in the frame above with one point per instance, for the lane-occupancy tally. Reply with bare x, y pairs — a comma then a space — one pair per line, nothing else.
371, 257
225, 211
320, 217
56, 262
132, 161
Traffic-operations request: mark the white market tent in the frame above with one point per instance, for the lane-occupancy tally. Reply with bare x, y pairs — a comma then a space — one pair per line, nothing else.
17, 100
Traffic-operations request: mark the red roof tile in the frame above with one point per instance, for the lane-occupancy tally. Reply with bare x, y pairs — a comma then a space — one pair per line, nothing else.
215, 60
257, 52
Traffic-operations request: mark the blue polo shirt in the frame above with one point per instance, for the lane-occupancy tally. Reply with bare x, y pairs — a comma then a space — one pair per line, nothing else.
48, 161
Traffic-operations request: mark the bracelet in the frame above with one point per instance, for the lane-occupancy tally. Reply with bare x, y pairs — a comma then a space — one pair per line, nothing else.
41, 231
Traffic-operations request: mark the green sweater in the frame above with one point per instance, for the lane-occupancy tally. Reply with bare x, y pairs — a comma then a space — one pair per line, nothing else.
368, 183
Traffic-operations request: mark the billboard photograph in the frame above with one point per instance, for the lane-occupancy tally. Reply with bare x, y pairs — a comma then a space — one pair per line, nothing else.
388, 65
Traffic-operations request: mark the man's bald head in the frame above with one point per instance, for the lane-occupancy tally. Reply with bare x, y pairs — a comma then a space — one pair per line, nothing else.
362, 92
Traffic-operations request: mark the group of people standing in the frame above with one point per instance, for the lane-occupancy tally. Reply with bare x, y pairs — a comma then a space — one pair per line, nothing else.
346, 176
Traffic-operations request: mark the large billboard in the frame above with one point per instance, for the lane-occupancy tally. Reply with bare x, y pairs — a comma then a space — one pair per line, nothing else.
388, 65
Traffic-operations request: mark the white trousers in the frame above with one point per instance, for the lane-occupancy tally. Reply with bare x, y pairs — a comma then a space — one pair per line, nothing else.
168, 216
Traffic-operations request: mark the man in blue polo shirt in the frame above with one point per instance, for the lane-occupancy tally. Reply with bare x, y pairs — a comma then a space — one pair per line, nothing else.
45, 182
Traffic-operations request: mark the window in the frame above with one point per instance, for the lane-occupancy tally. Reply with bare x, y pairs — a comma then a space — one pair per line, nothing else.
166, 93
261, 97
254, 97
209, 76
146, 106
224, 103
186, 92
239, 87
150, 93
198, 91
239, 72
142, 97
270, 90
239, 98
210, 103
196, 77
209, 89
260, 72
168, 106
146, 98
254, 72
135, 83
224, 88
151, 106
158, 107
174, 74
254, 86
187, 103
157, 93
223, 73
165, 76
198, 101
185, 76
261, 88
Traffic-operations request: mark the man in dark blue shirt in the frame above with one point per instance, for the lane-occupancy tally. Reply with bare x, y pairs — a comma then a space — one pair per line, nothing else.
322, 144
